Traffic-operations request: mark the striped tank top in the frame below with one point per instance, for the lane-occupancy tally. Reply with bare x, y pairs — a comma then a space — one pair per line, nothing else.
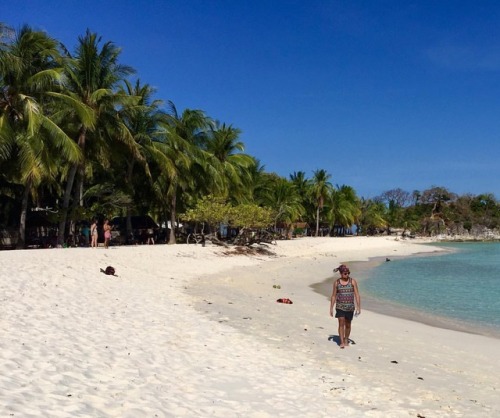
345, 296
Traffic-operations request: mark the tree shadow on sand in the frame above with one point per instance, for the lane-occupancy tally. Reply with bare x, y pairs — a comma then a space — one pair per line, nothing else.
336, 339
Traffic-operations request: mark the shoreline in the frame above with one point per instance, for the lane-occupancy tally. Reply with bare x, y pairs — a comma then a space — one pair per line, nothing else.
192, 331
370, 302
378, 340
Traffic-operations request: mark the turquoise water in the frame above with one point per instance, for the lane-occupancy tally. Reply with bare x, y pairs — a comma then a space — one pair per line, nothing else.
462, 285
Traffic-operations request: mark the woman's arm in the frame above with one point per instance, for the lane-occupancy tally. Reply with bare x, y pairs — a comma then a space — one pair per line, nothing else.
333, 298
356, 296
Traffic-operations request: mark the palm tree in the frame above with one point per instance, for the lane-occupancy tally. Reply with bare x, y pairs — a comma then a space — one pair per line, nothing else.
91, 104
143, 117
320, 189
372, 217
303, 186
230, 166
29, 71
285, 201
184, 161
344, 207
298, 178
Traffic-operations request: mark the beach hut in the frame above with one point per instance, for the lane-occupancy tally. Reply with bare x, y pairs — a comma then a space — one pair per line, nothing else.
300, 229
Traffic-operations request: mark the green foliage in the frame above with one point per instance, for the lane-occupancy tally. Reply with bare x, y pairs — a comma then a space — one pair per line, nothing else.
283, 198
344, 207
215, 211
208, 209
298, 231
250, 216
373, 217
75, 130
319, 189
107, 199
81, 213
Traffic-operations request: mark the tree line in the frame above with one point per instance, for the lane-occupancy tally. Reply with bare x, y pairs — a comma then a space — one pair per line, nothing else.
80, 136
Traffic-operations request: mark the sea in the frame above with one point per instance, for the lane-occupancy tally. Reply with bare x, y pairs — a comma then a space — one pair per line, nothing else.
456, 289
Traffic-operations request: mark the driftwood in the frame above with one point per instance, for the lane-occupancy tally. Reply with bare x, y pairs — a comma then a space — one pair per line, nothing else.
214, 240
248, 237
202, 238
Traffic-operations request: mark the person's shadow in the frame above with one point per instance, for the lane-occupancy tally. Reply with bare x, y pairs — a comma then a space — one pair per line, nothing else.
336, 339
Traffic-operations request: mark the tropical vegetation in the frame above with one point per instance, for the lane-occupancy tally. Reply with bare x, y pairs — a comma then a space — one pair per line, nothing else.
81, 139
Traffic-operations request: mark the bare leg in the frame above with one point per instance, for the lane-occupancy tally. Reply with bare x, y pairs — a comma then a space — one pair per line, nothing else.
347, 331
342, 332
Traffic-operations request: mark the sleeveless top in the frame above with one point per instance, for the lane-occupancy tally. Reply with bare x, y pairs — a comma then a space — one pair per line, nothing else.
345, 296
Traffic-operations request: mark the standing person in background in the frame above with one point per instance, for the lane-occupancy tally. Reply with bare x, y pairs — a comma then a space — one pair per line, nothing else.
107, 233
93, 234
151, 236
346, 299
85, 234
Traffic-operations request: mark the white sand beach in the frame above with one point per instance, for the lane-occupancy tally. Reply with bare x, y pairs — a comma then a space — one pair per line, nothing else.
190, 331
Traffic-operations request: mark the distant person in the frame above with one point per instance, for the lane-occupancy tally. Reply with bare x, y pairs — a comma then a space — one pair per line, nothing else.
346, 299
93, 234
85, 234
107, 233
151, 236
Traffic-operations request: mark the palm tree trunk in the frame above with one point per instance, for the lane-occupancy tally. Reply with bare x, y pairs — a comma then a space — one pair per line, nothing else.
21, 240
64, 210
173, 204
128, 224
317, 222
165, 217
78, 199
69, 188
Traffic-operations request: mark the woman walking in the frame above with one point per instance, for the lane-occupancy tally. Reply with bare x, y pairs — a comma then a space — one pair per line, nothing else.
346, 299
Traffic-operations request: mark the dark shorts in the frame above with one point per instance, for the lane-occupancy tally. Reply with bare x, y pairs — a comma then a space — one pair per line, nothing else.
344, 314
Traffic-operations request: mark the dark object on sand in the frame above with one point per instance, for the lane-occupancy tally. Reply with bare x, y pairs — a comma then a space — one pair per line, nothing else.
285, 300
110, 271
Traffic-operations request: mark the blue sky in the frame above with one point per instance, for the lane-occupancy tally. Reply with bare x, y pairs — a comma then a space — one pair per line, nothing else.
381, 94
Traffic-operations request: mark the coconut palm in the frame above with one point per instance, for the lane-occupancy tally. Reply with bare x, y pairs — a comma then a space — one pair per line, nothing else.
298, 178
283, 198
184, 161
90, 105
344, 208
303, 186
143, 117
372, 217
320, 189
29, 71
229, 168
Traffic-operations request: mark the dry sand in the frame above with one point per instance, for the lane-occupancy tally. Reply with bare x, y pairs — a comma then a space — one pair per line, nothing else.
191, 331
